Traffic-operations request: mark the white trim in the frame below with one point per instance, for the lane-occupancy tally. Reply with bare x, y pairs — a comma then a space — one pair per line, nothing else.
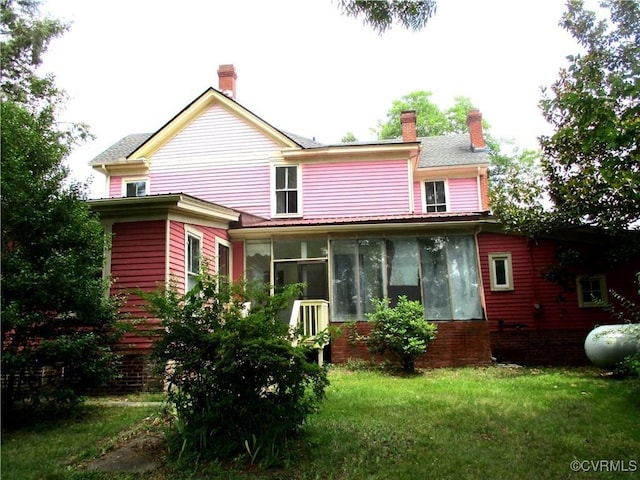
412, 202
167, 253
508, 265
189, 231
582, 303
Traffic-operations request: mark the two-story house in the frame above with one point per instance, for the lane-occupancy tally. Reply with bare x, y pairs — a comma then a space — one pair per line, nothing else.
353, 222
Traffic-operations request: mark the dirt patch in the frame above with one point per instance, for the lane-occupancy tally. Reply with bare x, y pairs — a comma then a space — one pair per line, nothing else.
138, 455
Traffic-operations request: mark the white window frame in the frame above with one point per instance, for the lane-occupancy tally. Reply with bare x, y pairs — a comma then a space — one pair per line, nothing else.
423, 193
219, 242
126, 181
298, 190
584, 303
495, 286
189, 274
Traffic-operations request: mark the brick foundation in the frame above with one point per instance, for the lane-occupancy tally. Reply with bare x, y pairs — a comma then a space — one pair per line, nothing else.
540, 347
457, 344
136, 375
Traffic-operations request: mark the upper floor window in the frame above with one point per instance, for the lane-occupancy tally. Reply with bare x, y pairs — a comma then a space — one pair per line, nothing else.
435, 196
500, 271
286, 190
193, 257
592, 290
136, 188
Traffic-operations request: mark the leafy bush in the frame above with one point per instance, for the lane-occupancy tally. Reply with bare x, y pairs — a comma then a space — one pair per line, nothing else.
235, 381
402, 331
628, 311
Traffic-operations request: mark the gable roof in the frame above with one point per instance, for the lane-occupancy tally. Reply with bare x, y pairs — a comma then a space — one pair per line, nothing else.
140, 145
440, 151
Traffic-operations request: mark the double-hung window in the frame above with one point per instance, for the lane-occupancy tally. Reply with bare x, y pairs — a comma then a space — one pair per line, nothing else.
193, 257
500, 271
592, 290
287, 190
435, 196
136, 188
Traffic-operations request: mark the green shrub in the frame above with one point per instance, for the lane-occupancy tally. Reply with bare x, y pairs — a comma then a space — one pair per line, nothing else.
401, 331
235, 381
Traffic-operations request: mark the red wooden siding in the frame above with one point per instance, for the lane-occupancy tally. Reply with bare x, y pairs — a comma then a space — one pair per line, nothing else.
138, 262
237, 262
554, 333
355, 188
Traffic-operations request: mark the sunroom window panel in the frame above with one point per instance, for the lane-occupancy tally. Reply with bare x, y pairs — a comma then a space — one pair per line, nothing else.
371, 253
435, 278
463, 276
345, 291
403, 269
258, 261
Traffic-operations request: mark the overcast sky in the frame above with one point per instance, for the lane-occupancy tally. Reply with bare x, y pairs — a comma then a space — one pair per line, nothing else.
130, 65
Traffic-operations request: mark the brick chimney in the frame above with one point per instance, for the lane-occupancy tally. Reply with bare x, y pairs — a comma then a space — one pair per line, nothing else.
409, 129
474, 122
227, 80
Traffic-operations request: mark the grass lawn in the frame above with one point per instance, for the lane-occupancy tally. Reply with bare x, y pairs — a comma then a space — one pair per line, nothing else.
468, 423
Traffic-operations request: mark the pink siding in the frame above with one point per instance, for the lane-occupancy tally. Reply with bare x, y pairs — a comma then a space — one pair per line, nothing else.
355, 188
176, 253
463, 194
115, 186
217, 137
242, 188
177, 248
417, 197
237, 250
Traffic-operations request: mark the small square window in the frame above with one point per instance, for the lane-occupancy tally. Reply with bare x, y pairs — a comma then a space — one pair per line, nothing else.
137, 188
435, 196
500, 271
592, 290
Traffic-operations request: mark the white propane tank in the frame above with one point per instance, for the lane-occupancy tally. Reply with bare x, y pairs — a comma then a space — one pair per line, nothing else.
608, 345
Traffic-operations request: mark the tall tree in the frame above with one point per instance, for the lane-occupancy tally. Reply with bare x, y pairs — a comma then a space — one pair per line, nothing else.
381, 15
56, 316
592, 161
430, 119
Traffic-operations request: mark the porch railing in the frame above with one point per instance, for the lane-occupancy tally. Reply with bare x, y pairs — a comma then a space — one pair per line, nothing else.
309, 318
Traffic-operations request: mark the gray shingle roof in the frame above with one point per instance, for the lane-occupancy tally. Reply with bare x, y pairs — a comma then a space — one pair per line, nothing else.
443, 151
121, 149
304, 142
449, 150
